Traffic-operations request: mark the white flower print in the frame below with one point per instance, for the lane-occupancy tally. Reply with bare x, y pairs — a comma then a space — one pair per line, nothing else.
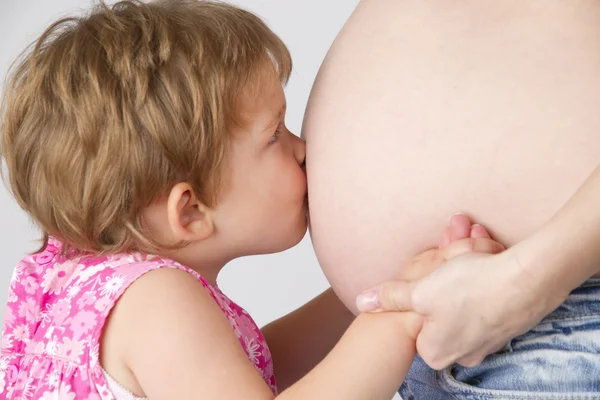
225, 306
29, 386
7, 341
32, 268
266, 353
12, 297
118, 260
94, 355
9, 317
236, 328
102, 304
3, 367
252, 350
70, 369
86, 299
52, 347
70, 349
63, 393
35, 347
73, 291
30, 285
57, 277
139, 257
16, 275
54, 379
2, 381
247, 327
82, 290
30, 310
49, 333
59, 312
268, 372
37, 370
112, 285
21, 332
82, 323
88, 271
21, 382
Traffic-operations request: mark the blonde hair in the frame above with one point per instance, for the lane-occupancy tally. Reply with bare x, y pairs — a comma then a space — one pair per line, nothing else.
108, 111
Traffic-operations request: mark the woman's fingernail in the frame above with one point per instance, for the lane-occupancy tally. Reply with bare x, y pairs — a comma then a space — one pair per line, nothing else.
368, 301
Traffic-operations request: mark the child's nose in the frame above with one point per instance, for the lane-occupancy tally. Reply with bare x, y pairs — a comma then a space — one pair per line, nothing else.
299, 150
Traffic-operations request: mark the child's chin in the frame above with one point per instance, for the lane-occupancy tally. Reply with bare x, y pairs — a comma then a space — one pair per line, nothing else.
290, 240
301, 234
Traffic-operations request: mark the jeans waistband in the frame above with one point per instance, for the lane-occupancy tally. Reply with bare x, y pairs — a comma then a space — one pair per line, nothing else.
583, 301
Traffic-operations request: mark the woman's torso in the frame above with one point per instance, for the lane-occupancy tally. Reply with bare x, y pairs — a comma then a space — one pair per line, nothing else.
425, 109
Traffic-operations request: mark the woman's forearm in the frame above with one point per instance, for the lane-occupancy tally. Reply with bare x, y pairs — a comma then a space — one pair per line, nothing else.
566, 251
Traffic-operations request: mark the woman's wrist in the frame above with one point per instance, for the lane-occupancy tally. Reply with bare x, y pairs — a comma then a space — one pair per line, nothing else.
572, 236
553, 259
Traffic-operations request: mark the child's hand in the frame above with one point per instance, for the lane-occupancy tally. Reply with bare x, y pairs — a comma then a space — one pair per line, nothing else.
458, 238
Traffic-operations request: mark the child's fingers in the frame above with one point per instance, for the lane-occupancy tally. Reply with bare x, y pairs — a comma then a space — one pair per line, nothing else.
478, 231
460, 227
472, 245
446, 239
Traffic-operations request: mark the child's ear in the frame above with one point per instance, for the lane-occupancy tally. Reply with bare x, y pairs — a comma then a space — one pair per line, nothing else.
189, 219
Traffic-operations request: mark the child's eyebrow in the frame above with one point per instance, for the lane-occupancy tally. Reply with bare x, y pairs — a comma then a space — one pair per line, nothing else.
277, 117
280, 114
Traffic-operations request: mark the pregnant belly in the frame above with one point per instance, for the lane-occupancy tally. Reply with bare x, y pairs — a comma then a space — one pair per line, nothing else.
425, 109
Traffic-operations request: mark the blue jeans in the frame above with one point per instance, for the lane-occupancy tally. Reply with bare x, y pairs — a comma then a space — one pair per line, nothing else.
558, 359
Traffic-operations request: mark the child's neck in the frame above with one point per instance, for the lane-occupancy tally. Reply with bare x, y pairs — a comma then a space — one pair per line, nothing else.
207, 263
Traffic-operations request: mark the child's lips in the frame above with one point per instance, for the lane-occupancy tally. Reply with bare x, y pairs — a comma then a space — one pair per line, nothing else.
306, 205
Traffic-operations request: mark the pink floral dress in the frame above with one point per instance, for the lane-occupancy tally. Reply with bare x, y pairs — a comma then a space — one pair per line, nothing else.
56, 309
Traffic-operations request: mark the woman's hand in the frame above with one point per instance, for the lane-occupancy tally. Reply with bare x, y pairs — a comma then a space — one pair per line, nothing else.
472, 305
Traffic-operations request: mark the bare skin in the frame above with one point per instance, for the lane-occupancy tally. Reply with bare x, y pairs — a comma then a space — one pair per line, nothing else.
425, 109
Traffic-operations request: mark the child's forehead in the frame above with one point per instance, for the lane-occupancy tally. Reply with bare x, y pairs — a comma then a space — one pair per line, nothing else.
263, 101
261, 118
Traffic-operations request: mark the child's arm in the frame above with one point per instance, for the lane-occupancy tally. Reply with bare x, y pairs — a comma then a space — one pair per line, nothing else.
170, 333
182, 347
299, 340
369, 362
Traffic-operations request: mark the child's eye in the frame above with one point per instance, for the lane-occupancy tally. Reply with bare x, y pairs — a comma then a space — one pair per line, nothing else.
275, 136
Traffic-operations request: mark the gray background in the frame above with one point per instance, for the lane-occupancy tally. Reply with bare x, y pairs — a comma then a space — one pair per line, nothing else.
267, 286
